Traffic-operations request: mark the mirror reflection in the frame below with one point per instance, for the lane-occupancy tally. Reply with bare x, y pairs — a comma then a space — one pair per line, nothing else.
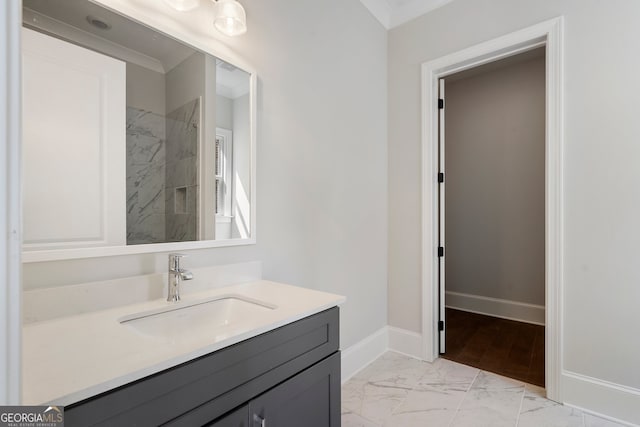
130, 137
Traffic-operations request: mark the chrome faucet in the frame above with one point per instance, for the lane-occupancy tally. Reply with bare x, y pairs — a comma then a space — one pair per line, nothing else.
176, 276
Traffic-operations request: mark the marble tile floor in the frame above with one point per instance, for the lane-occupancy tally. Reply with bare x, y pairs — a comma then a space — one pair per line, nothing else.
398, 391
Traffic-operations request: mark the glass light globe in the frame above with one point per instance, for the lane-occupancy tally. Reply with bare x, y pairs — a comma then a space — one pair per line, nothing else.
183, 5
229, 17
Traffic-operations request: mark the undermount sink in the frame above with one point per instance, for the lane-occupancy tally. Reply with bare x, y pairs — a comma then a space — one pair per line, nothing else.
204, 316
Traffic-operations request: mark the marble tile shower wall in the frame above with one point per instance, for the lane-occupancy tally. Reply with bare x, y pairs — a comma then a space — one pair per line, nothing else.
145, 177
183, 131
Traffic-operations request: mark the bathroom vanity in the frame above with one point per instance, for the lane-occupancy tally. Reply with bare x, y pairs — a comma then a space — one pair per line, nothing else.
168, 150
274, 366
277, 378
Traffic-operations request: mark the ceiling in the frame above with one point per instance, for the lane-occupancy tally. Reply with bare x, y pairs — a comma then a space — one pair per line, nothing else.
123, 32
392, 13
124, 39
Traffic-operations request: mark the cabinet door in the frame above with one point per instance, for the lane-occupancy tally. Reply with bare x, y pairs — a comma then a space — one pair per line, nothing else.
310, 399
237, 418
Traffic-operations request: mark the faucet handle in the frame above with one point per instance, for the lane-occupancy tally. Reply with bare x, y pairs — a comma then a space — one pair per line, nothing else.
174, 260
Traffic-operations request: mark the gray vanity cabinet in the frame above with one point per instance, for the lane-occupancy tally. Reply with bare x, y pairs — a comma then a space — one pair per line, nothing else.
308, 399
304, 400
237, 418
289, 376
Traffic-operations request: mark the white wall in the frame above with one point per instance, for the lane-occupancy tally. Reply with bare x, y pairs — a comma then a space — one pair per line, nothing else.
224, 112
494, 168
321, 172
185, 82
242, 140
71, 113
602, 179
192, 78
207, 156
241, 166
145, 89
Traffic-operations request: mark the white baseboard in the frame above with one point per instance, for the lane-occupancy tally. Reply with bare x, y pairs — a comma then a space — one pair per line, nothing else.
405, 342
505, 309
362, 353
601, 397
389, 338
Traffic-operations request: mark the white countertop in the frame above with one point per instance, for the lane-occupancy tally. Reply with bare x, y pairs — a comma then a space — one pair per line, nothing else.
69, 359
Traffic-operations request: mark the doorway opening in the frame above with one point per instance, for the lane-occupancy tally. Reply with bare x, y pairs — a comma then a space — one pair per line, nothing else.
492, 216
547, 34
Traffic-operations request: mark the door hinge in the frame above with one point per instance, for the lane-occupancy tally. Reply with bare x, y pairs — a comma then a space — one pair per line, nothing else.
440, 177
440, 325
440, 104
440, 251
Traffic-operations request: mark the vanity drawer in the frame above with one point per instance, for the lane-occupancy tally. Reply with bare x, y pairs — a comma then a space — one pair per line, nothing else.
222, 380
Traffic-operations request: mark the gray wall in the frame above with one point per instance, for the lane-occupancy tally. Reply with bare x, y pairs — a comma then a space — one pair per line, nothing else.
186, 87
241, 162
183, 138
224, 112
145, 89
319, 230
186, 81
601, 174
494, 168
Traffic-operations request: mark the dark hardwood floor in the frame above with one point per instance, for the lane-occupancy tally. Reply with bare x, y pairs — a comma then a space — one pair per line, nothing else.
505, 347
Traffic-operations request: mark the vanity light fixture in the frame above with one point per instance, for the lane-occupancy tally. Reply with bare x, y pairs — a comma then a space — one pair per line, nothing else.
229, 17
183, 5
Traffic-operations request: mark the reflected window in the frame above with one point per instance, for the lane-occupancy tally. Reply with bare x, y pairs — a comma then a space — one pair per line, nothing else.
224, 171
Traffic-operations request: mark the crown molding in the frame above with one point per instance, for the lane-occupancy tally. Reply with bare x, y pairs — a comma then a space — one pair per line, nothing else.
37, 20
392, 13
381, 9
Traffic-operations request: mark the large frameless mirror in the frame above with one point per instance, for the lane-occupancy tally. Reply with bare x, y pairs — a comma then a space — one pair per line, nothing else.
133, 141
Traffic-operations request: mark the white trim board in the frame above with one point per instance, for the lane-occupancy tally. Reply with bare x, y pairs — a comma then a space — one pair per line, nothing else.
404, 11
602, 397
405, 342
381, 10
10, 196
393, 13
358, 356
33, 19
361, 354
502, 308
549, 34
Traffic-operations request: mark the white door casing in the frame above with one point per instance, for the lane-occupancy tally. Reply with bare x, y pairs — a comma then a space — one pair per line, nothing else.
442, 324
74, 150
550, 34
10, 128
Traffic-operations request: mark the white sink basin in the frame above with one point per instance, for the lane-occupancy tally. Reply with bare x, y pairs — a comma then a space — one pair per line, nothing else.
212, 317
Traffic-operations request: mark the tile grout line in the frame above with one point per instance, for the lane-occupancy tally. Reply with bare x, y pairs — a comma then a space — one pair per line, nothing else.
470, 411
465, 396
366, 382
524, 391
